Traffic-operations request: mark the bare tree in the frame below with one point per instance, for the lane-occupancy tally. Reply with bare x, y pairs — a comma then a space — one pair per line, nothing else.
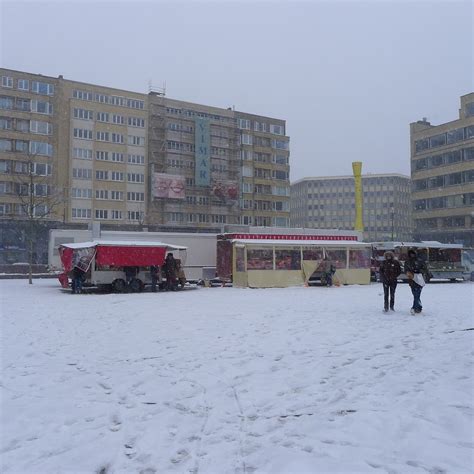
38, 199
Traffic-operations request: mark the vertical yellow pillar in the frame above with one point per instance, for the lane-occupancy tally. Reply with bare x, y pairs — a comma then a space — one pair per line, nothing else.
357, 170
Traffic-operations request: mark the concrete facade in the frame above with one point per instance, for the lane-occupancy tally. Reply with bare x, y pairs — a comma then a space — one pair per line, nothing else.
442, 171
106, 152
329, 203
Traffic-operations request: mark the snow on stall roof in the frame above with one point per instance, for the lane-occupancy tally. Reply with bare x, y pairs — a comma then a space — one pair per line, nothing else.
118, 243
422, 244
334, 243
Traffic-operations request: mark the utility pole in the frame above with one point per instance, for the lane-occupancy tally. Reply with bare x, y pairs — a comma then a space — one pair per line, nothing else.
392, 216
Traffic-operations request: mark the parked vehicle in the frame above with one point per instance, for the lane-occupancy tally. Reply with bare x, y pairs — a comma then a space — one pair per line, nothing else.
444, 260
115, 265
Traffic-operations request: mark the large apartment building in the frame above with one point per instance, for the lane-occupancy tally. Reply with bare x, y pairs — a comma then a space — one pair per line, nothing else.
329, 203
442, 171
131, 160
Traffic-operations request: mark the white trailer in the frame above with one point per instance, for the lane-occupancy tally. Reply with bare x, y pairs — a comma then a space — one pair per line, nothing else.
200, 255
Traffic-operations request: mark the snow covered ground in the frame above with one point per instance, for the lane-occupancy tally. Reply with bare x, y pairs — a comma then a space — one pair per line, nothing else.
226, 380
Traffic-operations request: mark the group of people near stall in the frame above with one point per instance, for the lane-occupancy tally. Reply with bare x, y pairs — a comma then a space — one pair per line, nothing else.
169, 277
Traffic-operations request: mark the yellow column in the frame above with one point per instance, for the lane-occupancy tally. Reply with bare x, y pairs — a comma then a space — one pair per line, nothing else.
357, 170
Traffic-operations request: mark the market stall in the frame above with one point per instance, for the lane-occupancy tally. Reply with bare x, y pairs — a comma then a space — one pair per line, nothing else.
267, 262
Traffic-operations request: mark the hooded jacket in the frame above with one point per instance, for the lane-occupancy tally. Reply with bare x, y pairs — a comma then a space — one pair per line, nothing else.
389, 269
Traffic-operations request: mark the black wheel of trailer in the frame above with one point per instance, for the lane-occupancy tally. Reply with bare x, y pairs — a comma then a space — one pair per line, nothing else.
136, 285
119, 285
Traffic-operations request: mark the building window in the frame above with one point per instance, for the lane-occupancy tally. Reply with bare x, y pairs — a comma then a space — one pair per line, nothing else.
81, 213
136, 159
101, 214
101, 194
40, 107
280, 144
116, 215
136, 122
83, 114
135, 196
82, 153
5, 123
117, 138
438, 140
41, 148
23, 84
82, 173
7, 81
135, 215
246, 139
117, 176
118, 157
118, 119
81, 193
41, 128
6, 103
42, 88
83, 133
102, 155
101, 175
82, 95
102, 117
244, 124
117, 195
135, 178
102, 136
454, 136
277, 129
136, 141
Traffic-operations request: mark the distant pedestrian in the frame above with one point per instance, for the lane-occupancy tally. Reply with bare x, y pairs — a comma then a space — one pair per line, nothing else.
418, 274
328, 271
154, 274
77, 279
171, 272
389, 272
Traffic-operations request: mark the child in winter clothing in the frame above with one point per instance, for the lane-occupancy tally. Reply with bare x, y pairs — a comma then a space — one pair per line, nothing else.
389, 271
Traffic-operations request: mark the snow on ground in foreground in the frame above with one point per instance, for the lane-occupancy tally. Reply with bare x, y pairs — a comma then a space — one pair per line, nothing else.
226, 380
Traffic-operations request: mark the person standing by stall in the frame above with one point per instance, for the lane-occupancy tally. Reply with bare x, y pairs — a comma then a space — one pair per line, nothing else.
154, 272
389, 272
77, 278
418, 274
328, 271
170, 272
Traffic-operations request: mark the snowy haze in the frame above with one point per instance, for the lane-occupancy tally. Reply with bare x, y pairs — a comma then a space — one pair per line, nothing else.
236, 381
348, 77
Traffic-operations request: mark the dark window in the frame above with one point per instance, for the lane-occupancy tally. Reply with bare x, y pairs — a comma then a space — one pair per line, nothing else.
469, 131
436, 182
456, 135
421, 145
420, 164
453, 156
436, 160
468, 154
438, 140
454, 178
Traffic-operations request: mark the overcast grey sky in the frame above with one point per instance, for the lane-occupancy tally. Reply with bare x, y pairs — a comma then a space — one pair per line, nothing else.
348, 77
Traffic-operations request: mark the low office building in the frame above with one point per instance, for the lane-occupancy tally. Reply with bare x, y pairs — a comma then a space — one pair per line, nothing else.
442, 171
329, 203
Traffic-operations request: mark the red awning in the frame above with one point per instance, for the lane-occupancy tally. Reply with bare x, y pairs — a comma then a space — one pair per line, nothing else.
130, 256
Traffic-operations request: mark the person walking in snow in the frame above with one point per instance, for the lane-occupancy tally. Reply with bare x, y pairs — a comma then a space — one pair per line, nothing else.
418, 274
389, 271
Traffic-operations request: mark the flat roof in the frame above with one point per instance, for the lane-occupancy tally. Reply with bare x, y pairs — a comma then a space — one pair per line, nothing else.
423, 244
120, 243
350, 176
313, 243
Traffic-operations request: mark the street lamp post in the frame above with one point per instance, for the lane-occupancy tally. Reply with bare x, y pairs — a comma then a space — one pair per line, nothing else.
392, 216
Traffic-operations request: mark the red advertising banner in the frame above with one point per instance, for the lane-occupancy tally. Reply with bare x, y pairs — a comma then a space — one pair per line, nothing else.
129, 256
226, 190
168, 186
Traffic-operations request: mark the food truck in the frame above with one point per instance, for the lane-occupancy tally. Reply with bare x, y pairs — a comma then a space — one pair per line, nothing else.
444, 261
116, 265
281, 260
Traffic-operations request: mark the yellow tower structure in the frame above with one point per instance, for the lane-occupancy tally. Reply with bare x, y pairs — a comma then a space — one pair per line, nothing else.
357, 170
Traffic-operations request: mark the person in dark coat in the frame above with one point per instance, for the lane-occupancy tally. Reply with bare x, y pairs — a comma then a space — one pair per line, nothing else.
154, 273
328, 271
418, 274
389, 272
77, 278
171, 271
